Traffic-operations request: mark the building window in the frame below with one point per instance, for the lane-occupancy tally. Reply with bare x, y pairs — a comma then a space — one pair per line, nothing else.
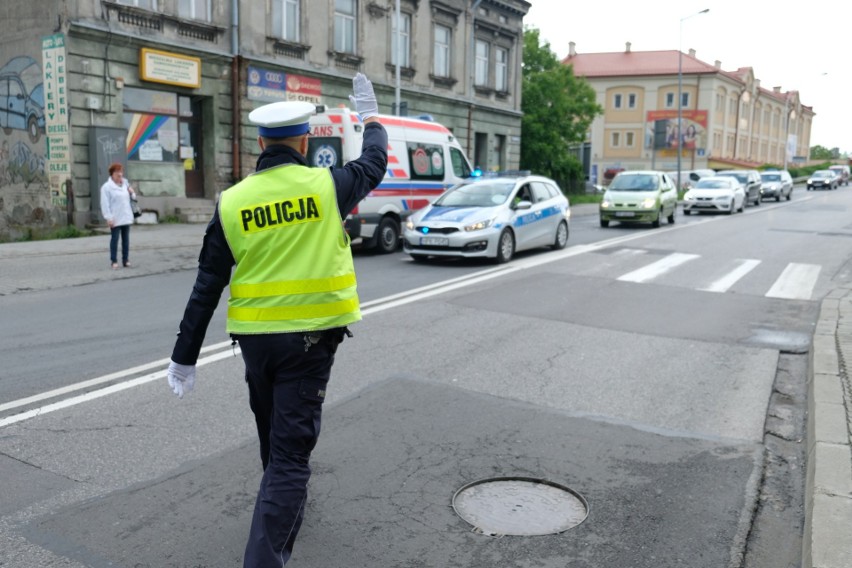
616, 139
720, 102
732, 106
616, 100
404, 40
717, 141
285, 20
684, 100
344, 26
481, 71
631, 100
442, 51
195, 9
501, 69
146, 4
628, 139
151, 119
670, 99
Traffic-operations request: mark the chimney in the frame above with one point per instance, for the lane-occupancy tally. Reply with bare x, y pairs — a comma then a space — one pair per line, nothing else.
572, 49
717, 64
776, 89
627, 47
692, 53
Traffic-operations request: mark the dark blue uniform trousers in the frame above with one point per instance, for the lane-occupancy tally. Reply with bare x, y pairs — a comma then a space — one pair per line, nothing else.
286, 390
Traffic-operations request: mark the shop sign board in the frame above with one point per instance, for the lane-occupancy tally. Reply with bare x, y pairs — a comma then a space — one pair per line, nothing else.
169, 68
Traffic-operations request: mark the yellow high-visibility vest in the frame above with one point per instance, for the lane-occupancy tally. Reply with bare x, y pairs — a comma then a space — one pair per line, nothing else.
294, 265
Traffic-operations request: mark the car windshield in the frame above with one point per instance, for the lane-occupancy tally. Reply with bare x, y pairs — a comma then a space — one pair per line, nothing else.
634, 182
823, 174
771, 177
742, 178
479, 194
713, 184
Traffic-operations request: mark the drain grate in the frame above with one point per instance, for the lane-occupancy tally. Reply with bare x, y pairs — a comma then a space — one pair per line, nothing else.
519, 506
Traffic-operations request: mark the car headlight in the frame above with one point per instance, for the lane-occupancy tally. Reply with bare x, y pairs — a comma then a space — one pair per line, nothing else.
409, 224
688, 197
479, 225
723, 197
649, 203
605, 204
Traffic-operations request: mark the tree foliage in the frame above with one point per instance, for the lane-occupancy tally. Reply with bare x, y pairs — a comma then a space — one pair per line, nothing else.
558, 111
822, 153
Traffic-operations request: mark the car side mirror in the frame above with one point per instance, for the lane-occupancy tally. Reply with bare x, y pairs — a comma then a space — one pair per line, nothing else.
523, 205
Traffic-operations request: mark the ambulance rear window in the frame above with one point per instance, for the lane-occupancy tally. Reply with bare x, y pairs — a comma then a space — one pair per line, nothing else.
426, 160
325, 152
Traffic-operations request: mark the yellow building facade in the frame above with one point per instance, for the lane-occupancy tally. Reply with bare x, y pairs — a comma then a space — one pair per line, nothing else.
727, 118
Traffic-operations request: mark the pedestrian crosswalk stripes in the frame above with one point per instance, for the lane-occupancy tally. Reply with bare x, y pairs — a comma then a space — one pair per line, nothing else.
658, 268
724, 283
793, 281
796, 282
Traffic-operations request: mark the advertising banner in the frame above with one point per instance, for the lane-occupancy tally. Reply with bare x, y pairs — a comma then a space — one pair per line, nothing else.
270, 86
692, 135
55, 80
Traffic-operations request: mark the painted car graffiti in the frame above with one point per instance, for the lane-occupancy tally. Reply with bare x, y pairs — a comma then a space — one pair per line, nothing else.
22, 97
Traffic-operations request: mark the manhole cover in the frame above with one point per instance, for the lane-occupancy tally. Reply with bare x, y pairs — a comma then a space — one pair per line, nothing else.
519, 506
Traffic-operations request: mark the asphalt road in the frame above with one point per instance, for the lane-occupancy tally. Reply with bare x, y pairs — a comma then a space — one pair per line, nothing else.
606, 367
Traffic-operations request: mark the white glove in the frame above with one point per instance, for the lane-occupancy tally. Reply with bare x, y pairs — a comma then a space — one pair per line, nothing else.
364, 99
181, 378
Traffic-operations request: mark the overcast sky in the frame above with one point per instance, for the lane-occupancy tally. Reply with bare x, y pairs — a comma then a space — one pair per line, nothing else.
801, 46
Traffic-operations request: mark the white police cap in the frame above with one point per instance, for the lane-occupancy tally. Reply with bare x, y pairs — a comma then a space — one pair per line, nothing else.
283, 119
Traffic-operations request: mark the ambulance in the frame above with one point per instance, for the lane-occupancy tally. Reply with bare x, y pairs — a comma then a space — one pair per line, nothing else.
424, 159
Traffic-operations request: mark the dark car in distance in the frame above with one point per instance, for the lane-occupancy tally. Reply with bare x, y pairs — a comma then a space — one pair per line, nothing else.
823, 179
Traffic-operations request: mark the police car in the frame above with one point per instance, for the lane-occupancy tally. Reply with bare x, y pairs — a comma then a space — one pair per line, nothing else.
492, 216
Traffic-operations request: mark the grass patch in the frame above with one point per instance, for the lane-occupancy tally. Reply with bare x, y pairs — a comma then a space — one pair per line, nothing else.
69, 232
173, 219
578, 198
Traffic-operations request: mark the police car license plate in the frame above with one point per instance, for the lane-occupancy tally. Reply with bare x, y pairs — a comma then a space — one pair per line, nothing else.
434, 241
625, 214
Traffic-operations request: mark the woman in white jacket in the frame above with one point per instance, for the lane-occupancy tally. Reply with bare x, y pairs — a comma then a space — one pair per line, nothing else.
116, 194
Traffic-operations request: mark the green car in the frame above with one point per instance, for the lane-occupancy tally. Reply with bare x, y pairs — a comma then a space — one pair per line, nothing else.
639, 197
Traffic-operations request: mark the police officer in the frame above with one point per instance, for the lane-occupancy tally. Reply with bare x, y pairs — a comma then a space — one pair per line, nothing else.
292, 296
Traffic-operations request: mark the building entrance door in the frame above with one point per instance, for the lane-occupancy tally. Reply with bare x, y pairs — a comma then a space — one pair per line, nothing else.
191, 144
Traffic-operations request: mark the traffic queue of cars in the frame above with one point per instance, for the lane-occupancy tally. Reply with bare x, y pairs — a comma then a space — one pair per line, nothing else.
495, 215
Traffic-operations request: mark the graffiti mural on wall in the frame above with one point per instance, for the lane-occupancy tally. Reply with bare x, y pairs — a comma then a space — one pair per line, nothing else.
22, 97
22, 158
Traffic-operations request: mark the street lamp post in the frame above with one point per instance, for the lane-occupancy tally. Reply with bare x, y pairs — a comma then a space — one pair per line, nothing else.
791, 115
680, 92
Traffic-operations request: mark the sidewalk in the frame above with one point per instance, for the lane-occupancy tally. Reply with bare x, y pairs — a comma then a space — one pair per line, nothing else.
59, 263
157, 249
828, 498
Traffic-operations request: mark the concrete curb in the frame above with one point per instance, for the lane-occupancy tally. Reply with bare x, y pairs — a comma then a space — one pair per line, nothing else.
828, 489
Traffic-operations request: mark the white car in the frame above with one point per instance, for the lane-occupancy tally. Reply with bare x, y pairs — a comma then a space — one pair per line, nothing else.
718, 194
490, 217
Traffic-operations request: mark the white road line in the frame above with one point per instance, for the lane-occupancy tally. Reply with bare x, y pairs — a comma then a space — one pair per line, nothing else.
75, 400
796, 282
99, 380
732, 277
658, 268
371, 307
